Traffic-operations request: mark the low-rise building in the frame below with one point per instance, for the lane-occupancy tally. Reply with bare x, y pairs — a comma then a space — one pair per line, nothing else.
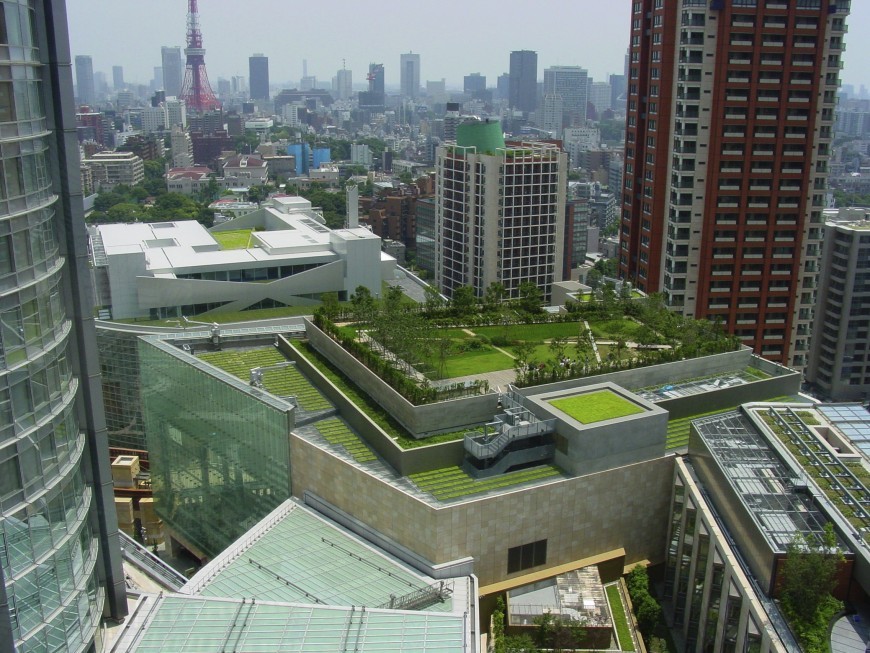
116, 168
246, 170
281, 254
187, 181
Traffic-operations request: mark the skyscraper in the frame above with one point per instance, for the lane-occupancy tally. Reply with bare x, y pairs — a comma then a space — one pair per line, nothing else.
500, 211
730, 111
173, 70
474, 84
85, 91
571, 83
60, 567
117, 77
258, 68
523, 94
409, 71
343, 84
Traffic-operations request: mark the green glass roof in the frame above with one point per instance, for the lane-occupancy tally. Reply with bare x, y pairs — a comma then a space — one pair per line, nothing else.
184, 624
294, 556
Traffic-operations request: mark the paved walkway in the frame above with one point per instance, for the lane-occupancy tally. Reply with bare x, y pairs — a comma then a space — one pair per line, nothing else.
851, 634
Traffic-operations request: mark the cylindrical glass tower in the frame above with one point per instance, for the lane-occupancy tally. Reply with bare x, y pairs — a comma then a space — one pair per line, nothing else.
55, 547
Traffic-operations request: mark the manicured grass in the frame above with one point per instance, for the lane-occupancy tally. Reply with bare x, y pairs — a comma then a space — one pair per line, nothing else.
531, 332
475, 362
610, 329
236, 239
337, 432
678, 429
256, 314
284, 382
453, 482
599, 406
620, 620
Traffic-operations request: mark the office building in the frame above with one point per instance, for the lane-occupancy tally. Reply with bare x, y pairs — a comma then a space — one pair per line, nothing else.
600, 96
730, 114
839, 360
116, 168
117, 77
374, 98
474, 84
343, 84
258, 68
173, 70
500, 211
85, 90
571, 83
409, 72
60, 568
523, 90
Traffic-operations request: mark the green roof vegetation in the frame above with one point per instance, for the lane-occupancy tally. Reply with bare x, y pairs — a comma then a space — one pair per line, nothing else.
368, 406
235, 239
620, 621
599, 406
338, 433
453, 482
284, 382
678, 429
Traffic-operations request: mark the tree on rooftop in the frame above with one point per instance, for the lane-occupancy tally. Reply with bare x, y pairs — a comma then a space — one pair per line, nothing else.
463, 303
493, 296
530, 298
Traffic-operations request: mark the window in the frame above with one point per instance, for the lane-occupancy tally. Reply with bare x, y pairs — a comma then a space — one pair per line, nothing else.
527, 556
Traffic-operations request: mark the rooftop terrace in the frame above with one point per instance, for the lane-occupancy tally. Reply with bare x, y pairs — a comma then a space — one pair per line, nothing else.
599, 406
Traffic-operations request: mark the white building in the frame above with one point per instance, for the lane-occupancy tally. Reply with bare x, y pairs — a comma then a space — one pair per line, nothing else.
360, 154
187, 181
115, 168
182, 148
171, 269
580, 139
500, 212
600, 96
246, 170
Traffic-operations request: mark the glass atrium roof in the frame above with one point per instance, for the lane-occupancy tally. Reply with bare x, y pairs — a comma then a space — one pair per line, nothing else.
185, 624
852, 420
294, 556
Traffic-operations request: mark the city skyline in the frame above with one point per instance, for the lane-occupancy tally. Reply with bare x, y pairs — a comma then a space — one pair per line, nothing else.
162, 23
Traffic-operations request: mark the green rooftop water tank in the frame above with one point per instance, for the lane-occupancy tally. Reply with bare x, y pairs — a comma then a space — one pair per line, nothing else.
485, 135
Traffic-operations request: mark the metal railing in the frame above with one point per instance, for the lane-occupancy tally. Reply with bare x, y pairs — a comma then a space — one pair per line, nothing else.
143, 559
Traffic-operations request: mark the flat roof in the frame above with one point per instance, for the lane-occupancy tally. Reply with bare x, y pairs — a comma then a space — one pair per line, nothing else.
596, 406
295, 555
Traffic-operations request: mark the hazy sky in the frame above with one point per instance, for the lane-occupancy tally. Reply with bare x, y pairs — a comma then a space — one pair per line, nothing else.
453, 37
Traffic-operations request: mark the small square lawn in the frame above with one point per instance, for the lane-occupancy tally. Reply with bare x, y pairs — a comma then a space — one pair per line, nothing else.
596, 406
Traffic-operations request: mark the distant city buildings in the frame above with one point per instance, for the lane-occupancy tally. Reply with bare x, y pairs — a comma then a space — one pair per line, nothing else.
117, 77
173, 70
258, 67
409, 70
85, 91
570, 83
523, 91
343, 85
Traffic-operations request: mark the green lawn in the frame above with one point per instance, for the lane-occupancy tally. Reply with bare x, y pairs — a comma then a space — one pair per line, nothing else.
620, 620
475, 362
599, 406
531, 332
610, 329
453, 482
236, 239
337, 432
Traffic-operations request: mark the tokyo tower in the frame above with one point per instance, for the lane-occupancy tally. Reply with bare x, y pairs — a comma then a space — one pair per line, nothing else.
196, 91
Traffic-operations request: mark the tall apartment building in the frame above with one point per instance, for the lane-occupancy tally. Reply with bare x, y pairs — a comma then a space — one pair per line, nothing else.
839, 360
523, 90
571, 83
258, 67
409, 73
500, 211
85, 89
343, 84
173, 70
730, 113
60, 566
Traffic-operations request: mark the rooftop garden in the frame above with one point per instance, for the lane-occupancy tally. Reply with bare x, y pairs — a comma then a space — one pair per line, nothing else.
414, 347
235, 239
338, 433
678, 429
454, 483
599, 406
620, 620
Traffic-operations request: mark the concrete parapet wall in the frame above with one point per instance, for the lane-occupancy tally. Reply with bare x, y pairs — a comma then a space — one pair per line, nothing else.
438, 417
404, 461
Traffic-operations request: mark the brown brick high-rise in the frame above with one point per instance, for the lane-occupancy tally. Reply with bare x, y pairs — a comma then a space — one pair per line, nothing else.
730, 113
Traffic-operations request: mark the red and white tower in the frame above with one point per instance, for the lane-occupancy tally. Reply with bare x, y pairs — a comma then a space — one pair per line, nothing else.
196, 91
